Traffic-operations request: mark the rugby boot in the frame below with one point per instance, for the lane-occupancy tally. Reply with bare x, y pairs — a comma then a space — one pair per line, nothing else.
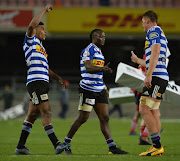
153, 151
144, 141
115, 150
133, 133
68, 151
23, 151
61, 147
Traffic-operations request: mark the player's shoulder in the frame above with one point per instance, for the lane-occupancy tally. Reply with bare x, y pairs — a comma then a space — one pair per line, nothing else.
28, 39
154, 32
89, 49
155, 29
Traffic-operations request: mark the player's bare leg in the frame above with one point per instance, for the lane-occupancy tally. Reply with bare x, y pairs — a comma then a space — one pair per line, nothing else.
148, 119
33, 113
101, 110
134, 123
152, 125
144, 139
45, 110
83, 117
157, 118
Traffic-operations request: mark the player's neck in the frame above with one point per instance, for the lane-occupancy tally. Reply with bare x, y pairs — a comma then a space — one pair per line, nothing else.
96, 45
152, 25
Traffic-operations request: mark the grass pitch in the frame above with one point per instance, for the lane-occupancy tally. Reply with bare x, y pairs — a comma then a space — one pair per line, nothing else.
88, 143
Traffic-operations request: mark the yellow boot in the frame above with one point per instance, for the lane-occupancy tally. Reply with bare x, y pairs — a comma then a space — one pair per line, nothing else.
153, 151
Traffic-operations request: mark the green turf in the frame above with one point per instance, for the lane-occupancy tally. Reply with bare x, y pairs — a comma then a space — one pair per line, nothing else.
88, 144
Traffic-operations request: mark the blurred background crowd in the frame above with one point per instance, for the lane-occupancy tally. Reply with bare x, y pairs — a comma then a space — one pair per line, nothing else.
94, 3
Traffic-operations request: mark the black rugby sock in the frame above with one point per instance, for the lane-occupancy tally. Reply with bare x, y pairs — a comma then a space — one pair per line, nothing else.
26, 129
50, 132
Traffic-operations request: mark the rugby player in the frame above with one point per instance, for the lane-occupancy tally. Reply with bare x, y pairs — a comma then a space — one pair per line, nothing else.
155, 81
93, 92
38, 84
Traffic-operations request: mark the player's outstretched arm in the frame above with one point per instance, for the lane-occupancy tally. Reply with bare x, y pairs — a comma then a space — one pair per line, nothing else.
90, 68
58, 78
137, 60
35, 21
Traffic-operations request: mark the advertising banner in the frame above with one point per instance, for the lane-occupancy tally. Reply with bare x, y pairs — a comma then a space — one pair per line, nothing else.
111, 20
15, 19
133, 78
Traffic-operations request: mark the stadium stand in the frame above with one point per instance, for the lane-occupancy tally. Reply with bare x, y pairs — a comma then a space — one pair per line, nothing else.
94, 3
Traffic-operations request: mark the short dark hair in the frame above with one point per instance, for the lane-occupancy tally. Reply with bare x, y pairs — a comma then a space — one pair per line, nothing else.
151, 15
41, 23
93, 32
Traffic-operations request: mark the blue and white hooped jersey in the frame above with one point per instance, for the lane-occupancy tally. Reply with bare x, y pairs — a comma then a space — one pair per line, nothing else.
36, 59
92, 82
155, 35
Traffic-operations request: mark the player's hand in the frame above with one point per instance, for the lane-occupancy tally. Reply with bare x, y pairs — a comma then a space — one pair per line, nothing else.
133, 57
107, 69
49, 8
147, 81
61, 82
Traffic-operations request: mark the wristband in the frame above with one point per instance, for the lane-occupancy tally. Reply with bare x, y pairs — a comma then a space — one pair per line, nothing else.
149, 73
136, 61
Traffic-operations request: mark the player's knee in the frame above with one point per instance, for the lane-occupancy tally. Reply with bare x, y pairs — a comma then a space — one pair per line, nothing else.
82, 119
32, 116
143, 111
46, 113
104, 118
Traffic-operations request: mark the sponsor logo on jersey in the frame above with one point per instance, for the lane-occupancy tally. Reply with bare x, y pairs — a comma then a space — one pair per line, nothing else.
98, 63
86, 53
153, 35
41, 50
146, 44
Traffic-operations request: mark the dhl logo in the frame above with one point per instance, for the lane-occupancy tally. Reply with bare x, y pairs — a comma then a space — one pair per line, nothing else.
110, 20
98, 63
40, 49
146, 44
